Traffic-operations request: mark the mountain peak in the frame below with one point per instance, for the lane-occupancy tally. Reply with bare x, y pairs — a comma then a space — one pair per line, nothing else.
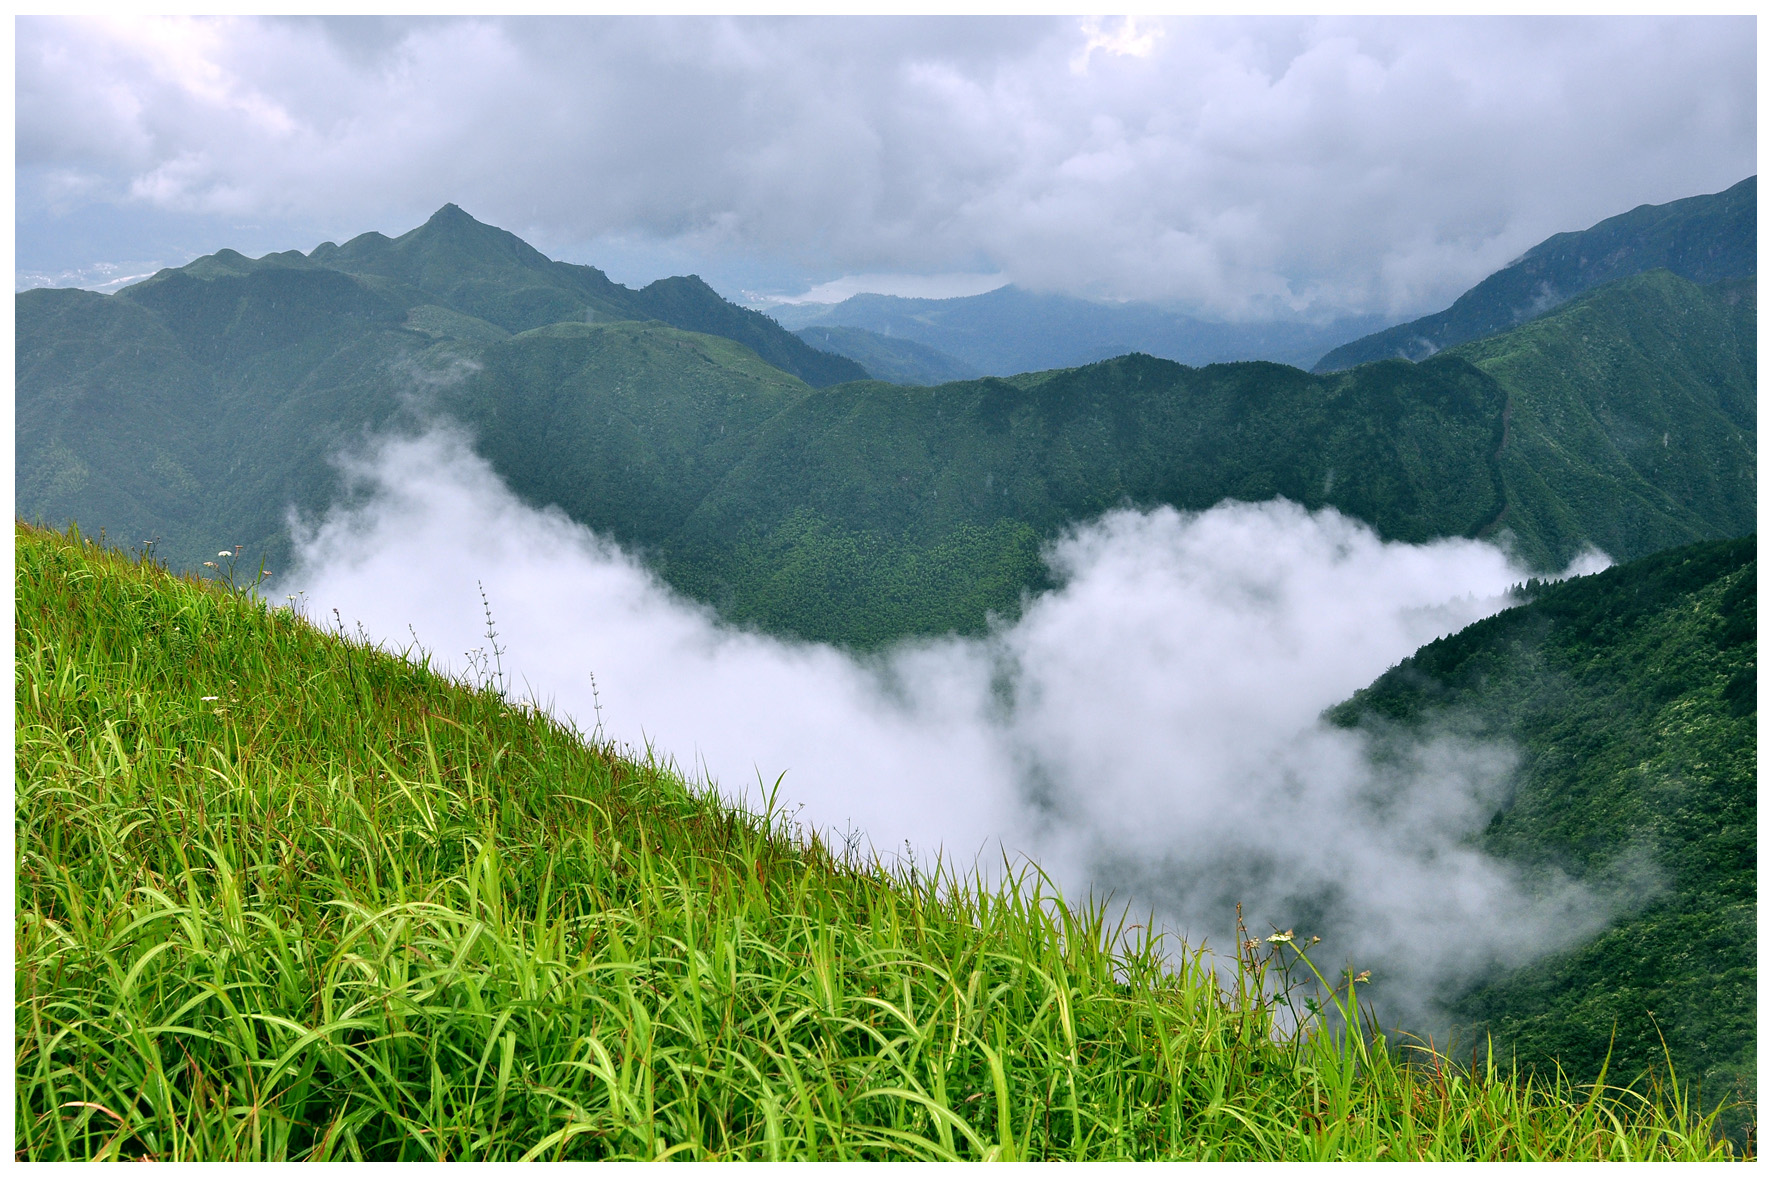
459, 236
450, 213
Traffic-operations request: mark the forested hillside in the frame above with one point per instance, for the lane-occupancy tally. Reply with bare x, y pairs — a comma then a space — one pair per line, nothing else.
1631, 417
203, 405
1632, 696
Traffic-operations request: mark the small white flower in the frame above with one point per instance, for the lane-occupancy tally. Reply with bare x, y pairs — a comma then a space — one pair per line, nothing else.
224, 554
209, 698
1280, 938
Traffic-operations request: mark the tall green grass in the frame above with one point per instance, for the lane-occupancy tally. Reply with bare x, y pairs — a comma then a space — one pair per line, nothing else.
285, 896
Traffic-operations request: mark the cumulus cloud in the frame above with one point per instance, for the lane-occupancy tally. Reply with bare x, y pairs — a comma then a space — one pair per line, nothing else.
1150, 728
1238, 167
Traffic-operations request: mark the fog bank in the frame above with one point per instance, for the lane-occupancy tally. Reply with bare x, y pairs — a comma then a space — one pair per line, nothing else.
1149, 728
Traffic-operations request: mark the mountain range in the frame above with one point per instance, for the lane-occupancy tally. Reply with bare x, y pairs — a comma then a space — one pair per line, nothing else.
1705, 239
780, 484
201, 405
1011, 330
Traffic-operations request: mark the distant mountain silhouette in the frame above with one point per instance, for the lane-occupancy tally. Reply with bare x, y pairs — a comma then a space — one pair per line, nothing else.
1011, 330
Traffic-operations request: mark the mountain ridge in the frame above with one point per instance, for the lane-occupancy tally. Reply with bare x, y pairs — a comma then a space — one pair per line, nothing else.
480, 270
1704, 239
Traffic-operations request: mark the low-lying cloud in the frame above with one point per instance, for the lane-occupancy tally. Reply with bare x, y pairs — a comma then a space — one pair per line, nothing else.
1149, 728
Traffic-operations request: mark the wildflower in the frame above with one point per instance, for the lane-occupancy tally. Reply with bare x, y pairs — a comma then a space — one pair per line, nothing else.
209, 563
1281, 937
1365, 976
209, 698
224, 554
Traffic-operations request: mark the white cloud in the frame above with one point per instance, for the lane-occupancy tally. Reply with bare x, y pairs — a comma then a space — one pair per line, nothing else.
1150, 727
901, 285
1130, 39
1241, 166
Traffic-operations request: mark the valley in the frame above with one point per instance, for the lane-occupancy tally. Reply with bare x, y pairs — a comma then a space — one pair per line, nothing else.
855, 501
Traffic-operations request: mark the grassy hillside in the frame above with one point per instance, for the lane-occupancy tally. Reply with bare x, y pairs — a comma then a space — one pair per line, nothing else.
1705, 239
1631, 418
282, 896
1632, 695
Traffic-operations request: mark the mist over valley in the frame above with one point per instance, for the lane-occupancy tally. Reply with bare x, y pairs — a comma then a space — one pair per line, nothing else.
1287, 598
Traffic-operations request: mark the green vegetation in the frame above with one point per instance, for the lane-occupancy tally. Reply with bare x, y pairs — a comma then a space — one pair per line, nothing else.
1705, 239
1632, 696
201, 405
495, 276
897, 361
283, 896
1610, 399
982, 470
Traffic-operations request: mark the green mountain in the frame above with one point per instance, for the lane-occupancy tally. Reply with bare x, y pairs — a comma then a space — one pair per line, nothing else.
1632, 695
1705, 239
863, 512
201, 405
896, 361
1631, 418
455, 262
459, 263
140, 415
867, 511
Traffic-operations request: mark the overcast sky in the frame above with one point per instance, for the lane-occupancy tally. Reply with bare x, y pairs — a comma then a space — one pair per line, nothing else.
1244, 168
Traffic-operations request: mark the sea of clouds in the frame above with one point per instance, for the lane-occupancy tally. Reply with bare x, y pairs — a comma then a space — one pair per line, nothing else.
1149, 731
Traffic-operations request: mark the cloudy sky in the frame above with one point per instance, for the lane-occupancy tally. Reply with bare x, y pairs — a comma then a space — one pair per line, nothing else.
1244, 168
